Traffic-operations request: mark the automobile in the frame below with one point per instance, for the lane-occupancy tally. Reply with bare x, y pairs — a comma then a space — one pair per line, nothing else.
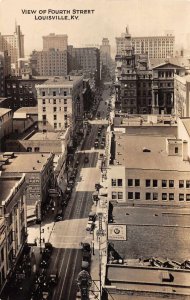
53, 278
90, 226
96, 144
101, 156
86, 159
49, 247
44, 263
92, 216
68, 190
103, 139
59, 216
86, 247
102, 145
71, 182
99, 133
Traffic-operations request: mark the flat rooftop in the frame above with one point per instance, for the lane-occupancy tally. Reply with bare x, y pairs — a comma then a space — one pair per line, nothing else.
4, 111
39, 136
152, 232
62, 80
26, 162
148, 280
151, 216
26, 110
6, 184
129, 153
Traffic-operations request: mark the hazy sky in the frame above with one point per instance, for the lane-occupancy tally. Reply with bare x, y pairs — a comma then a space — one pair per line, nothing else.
143, 17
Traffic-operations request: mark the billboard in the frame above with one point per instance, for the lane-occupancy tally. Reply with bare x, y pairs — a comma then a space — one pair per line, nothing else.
117, 232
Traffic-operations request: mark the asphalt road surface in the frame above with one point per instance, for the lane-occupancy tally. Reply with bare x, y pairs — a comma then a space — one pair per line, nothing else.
69, 233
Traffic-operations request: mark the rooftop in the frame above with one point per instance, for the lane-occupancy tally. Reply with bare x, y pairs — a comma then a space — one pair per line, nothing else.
4, 111
149, 280
152, 232
151, 216
25, 112
129, 153
61, 81
178, 61
26, 162
48, 135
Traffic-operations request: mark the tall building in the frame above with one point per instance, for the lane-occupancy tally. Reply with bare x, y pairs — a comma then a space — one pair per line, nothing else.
21, 90
5, 70
14, 44
60, 103
12, 222
87, 60
55, 41
105, 52
52, 62
154, 46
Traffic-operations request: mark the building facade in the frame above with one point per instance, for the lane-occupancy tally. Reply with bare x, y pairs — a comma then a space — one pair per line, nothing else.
55, 41
38, 169
154, 46
105, 52
60, 103
51, 62
14, 44
21, 90
6, 124
87, 60
181, 96
13, 223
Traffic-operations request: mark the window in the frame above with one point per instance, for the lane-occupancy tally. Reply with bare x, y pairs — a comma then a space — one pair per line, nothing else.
54, 101
29, 149
55, 117
155, 196
137, 182
187, 184
114, 195
43, 93
171, 196
130, 196
164, 196
187, 197
54, 93
55, 125
171, 183
155, 183
113, 182
44, 101
44, 117
130, 182
147, 182
148, 196
36, 149
120, 195
55, 109
176, 150
181, 197
137, 195
181, 183
65, 93
164, 183
44, 109
119, 182
65, 101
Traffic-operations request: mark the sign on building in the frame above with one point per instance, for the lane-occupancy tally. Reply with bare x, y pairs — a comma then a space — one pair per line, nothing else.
117, 232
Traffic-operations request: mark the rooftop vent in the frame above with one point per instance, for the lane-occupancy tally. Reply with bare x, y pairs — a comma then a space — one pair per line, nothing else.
146, 150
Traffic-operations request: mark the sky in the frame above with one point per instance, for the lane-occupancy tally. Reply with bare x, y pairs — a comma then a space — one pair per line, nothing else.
109, 19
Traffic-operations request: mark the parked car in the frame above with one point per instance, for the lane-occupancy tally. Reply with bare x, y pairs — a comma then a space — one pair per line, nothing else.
59, 216
53, 278
86, 159
90, 226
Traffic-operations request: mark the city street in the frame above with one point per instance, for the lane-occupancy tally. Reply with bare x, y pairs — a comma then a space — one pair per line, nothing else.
69, 233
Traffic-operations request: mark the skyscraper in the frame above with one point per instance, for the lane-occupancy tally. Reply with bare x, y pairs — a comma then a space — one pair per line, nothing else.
55, 41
